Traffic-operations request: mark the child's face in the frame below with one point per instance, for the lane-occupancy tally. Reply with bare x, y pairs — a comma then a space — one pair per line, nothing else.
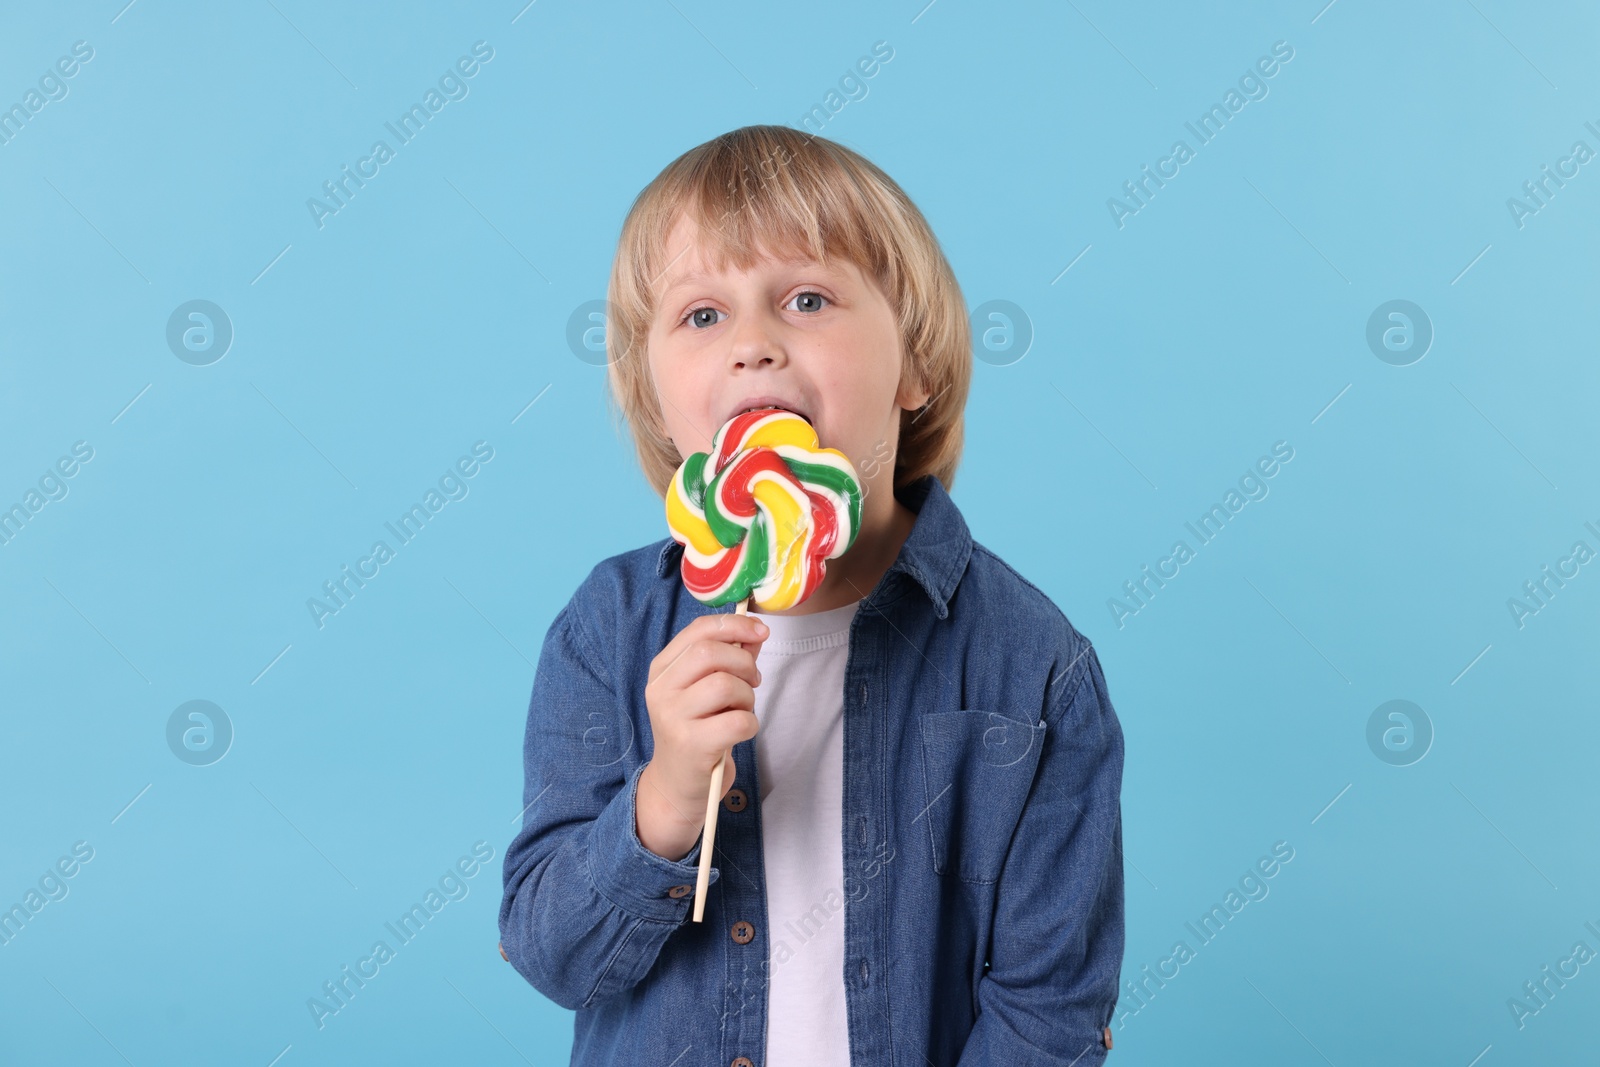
820, 341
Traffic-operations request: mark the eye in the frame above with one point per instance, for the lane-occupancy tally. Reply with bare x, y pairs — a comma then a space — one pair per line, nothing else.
808, 301
701, 317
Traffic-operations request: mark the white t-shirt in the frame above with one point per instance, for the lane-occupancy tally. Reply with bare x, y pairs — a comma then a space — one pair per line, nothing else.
800, 769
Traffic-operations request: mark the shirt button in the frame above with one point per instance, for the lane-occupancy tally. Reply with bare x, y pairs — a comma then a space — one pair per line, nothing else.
503, 953
1105, 1037
677, 892
742, 1061
735, 800
743, 932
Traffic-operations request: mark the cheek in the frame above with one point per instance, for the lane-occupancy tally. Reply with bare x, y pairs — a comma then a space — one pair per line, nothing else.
660, 383
859, 429
683, 396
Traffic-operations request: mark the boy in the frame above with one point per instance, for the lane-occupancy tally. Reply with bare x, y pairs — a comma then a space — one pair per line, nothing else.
918, 854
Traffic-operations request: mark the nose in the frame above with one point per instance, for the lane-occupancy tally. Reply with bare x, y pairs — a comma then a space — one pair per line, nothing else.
754, 343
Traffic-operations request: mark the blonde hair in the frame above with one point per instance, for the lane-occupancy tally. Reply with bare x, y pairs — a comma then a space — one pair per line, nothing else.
761, 189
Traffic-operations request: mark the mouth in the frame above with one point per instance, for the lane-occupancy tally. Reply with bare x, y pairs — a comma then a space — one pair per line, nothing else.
767, 404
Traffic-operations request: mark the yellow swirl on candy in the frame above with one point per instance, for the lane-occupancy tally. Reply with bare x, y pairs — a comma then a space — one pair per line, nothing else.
776, 507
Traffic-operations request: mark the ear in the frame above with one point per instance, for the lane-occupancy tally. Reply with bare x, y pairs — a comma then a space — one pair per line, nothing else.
911, 395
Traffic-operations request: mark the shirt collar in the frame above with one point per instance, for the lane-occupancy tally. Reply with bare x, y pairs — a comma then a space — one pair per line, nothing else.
934, 555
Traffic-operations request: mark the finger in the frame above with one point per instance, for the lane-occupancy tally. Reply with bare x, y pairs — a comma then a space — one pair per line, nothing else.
741, 629
727, 729
708, 657
730, 629
713, 694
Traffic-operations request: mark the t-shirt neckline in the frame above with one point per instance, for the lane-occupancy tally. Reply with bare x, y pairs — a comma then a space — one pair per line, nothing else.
787, 629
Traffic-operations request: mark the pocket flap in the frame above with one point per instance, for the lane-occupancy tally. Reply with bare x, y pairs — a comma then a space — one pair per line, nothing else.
978, 768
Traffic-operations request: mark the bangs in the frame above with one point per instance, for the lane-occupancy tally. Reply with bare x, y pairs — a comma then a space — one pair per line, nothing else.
765, 192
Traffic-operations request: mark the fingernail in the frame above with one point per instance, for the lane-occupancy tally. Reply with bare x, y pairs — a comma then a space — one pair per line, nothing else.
761, 628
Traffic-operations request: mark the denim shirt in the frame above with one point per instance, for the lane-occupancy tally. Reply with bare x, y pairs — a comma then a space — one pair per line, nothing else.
982, 893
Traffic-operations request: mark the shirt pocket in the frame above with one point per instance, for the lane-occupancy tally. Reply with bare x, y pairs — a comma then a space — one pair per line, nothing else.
978, 768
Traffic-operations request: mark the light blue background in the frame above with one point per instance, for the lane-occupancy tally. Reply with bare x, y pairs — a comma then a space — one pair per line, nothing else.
371, 353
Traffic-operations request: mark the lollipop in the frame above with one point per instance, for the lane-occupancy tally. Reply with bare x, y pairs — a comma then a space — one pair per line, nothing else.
776, 508
763, 512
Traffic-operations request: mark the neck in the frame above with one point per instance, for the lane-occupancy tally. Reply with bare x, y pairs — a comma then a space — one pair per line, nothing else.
856, 574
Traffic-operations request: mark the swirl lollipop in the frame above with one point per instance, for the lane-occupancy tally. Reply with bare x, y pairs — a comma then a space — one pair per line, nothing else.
763, 512
776, 508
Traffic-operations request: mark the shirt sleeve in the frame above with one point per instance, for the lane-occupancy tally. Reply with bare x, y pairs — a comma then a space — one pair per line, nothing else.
586, 907
1052, 981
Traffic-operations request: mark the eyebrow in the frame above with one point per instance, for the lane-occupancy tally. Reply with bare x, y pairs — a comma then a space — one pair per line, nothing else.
688, 279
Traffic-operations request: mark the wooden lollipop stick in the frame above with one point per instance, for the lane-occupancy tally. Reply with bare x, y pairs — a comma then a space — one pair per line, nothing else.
703, 879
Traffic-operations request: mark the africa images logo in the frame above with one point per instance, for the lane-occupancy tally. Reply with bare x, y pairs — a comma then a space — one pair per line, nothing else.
452, 86
1204, 129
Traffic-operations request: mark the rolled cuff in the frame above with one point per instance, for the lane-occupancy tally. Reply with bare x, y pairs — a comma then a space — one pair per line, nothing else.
631, 876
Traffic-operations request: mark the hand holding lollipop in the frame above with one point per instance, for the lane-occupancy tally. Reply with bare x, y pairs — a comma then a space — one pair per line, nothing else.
776, 508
